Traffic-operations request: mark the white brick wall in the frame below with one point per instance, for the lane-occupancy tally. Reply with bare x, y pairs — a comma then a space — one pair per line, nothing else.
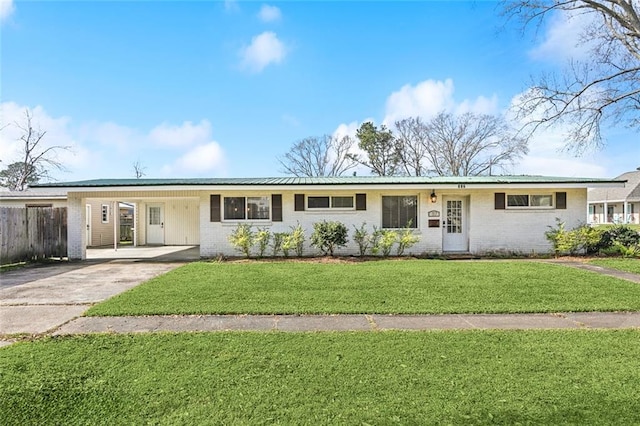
76, 229
489, 230
519, 231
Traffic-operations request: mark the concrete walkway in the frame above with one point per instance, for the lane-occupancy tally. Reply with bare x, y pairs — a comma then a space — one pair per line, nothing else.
599, 269
176, 323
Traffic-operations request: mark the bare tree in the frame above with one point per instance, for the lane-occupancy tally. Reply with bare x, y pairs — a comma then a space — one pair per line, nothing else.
36, 160
319, 156
139, 169
411, 145
469, 144
605, 88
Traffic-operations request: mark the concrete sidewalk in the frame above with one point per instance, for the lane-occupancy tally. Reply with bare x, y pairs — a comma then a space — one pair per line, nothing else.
175, 323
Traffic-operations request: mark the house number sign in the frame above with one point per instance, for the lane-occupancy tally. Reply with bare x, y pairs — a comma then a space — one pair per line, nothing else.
433, 213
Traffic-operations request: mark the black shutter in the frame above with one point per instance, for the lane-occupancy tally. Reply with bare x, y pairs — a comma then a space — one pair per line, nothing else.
299, 202
561, 200
276, 207
499, 201
361, 201
215, 207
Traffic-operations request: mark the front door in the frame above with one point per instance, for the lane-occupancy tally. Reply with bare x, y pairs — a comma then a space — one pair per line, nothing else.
155, 224
455, 226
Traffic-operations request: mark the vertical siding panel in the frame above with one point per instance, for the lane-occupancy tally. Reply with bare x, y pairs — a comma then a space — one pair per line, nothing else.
182, 222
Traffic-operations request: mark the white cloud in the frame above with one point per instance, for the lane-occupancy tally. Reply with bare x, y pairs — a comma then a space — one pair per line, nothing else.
481, 105
57, 130
429, 97
7, 7
563, 38
269, 13
186, 134
348, 129
425, 99
202, 158
108, 149
264, 49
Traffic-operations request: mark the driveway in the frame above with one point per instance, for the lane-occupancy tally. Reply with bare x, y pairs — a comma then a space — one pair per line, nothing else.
38, 299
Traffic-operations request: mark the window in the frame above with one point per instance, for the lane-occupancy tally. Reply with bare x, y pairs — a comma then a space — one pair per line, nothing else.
400, 211
541, 201
327, 202
154, 215
317, 202
246, 208
105, 213
517, 200
533, 201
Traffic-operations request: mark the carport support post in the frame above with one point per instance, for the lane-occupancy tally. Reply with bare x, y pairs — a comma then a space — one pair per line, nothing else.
76, 228
116, 216
135, 224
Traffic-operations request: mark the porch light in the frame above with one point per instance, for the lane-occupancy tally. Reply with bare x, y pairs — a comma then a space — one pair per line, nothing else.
433, 197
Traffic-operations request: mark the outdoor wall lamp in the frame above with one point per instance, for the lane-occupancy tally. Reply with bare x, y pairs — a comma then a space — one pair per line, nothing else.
433, 196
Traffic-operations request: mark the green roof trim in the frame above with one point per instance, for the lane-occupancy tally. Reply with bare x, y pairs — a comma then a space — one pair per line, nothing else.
341, 180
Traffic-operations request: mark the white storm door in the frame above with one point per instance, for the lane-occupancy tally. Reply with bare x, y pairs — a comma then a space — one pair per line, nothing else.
88, 224
155, 224
455, 226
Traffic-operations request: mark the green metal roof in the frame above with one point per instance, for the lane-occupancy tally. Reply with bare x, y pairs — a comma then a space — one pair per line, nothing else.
342, 180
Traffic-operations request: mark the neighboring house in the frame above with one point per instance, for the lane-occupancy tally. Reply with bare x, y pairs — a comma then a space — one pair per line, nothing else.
616, 205
478, 215
42, 197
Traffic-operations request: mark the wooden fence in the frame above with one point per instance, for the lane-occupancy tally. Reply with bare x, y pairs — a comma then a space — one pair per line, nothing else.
32, 233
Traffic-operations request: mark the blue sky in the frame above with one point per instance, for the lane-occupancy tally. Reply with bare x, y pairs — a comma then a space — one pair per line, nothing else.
209, 88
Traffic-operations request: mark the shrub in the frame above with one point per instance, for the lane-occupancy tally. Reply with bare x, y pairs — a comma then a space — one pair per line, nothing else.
262, 238
590, 238
362, 237
384, 243
287, 244
278, 238
582, 238
375, 240
622, 235
295, 240
406, 239
242, 238
327, 236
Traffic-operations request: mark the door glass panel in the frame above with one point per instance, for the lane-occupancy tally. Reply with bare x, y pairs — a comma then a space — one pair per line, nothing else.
454, 216
154, 215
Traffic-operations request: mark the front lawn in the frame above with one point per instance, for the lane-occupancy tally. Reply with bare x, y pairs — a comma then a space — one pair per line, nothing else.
391, 286
628, 265
472, 377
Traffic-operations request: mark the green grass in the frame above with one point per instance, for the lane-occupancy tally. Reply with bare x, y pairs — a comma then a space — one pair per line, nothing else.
628, 265
406, 287
635, 227
472, 377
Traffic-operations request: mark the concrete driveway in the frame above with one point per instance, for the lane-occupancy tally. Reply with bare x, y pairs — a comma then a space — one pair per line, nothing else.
37, 299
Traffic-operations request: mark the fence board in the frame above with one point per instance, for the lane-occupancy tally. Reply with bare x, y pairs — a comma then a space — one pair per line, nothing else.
32, 233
